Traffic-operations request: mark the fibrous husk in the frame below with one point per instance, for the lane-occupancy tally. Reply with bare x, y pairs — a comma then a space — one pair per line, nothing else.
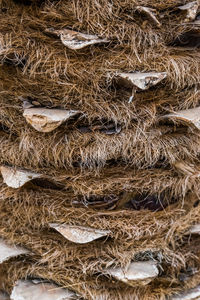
192, 294
190, 10
35, 290
55, 249
142, 272
125, 174
142, 81
76, 40
191, 116
45, 119
15, 177
105, 188
150, 13
95, 149
79, 234
7, 251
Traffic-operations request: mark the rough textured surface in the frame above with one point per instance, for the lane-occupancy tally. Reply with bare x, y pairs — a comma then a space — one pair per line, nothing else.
110, 159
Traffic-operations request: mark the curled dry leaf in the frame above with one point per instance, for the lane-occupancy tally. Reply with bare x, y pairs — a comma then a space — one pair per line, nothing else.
142, 81
191, 116
7, 251
15, 177
188, 295
33, 290
144, 272
46, 119
150, 13
190, 10
79, 234
76, 40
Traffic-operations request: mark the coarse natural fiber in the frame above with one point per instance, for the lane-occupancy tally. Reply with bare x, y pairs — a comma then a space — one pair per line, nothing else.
99, 137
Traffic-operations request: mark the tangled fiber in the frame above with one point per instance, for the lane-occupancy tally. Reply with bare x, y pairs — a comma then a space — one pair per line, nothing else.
99, 149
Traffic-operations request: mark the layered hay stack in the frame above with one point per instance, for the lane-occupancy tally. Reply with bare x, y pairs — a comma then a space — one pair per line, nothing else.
100, 145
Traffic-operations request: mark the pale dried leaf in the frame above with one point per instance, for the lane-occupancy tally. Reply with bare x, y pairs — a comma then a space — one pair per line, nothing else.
7, 251
190, 10
191, 116
195, 229
144, 272
46, 119
142, 81
30, 290
15, 177
76, 40
79, 234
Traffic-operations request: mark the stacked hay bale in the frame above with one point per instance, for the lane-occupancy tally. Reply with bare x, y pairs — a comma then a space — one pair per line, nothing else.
100, 169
